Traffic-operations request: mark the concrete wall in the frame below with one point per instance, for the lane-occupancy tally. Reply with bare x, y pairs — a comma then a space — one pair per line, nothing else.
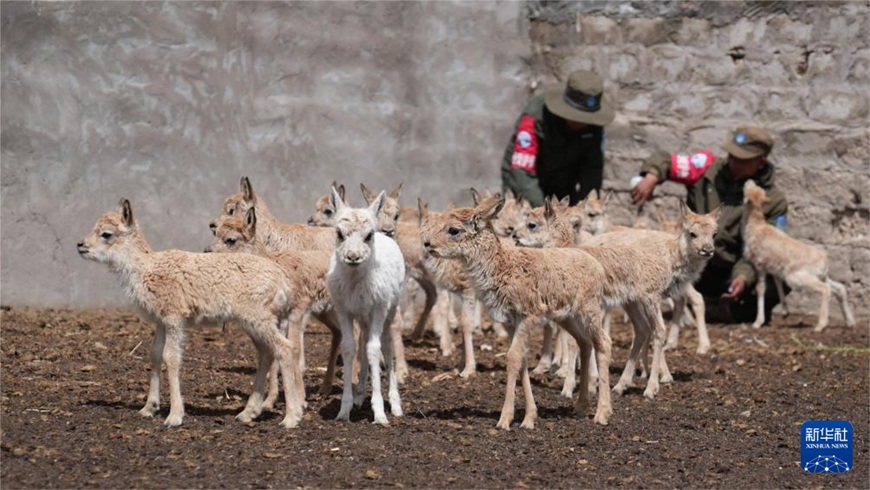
170, 103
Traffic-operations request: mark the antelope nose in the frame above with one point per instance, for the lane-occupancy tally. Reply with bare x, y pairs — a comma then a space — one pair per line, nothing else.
427, 244
310, 221
80, 244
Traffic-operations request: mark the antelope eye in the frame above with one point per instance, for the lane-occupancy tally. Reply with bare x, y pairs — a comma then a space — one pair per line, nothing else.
532, 226
452, 231
509, 230
231, 211
106, 235
715, 234
230, 241
369, 236
340, 235
693, 234
327, 212
396, 218
592, 215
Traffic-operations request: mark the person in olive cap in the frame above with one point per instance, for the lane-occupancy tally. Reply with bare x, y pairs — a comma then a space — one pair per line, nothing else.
557, 147
712, 182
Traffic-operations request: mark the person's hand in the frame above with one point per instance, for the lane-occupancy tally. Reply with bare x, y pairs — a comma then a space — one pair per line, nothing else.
641, 193
736, 288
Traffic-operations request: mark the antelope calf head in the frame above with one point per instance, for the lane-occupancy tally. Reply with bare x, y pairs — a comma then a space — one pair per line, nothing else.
512, 215
235, 234
594, 218
545, 226
113, 238
699, 231
324, 213
355, 228
753, 194
453, 233
237, 204
389, 214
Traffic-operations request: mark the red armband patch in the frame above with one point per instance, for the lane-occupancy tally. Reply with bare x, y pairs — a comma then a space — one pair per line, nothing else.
688, 169
525, 155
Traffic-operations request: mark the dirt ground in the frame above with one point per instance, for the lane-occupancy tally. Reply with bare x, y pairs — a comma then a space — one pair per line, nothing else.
72, 382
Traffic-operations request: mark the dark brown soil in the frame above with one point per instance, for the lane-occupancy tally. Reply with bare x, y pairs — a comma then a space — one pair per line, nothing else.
72, 382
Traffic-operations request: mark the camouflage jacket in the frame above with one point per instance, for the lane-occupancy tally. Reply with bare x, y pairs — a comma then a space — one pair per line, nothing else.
716, 187
545, 158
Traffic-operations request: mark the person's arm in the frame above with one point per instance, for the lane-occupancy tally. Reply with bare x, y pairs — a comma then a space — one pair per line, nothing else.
520, 162
654, 170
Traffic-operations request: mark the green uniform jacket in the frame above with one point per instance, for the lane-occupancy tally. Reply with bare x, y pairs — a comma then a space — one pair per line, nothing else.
716, 187
559, 158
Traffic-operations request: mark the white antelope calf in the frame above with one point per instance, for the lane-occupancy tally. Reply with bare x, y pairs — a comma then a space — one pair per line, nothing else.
801, 265
366, 274
174, 288
526, 288
306, 273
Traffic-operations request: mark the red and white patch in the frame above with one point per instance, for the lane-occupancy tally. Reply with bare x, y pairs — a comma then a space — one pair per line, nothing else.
525, 155
688, 169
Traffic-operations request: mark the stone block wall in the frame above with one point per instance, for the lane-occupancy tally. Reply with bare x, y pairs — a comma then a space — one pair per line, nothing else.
684, 74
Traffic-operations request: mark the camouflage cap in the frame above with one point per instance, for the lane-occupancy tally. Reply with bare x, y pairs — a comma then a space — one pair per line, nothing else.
749, 142
581, 100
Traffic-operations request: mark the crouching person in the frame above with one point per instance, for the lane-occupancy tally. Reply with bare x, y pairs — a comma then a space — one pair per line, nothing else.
728, 281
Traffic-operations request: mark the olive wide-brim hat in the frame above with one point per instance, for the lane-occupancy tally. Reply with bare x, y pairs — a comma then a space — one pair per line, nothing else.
749, 142
581, 100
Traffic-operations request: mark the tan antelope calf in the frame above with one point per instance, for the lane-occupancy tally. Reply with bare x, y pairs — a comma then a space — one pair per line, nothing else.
451, 276
274, 235
324, 214
306, 273
686, 255
801, 265
638, 277
526, 288
175, 288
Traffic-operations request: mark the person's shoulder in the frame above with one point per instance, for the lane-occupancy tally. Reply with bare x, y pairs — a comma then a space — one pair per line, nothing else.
535, 107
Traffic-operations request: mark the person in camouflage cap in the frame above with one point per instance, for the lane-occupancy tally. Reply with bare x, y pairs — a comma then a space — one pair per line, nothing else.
712, 182
557, 146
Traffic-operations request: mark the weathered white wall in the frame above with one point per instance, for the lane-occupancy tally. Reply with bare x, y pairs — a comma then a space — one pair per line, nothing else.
170, 103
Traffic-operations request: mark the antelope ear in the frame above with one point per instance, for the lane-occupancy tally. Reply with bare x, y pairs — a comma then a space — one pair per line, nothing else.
490, 207
247, 190
475, 196
126, 212
395, 192
336, 200
549, 212
607, 197
368, 195
715, 213
378, 204
339, 187
423, 210
251, 221
593, 195
565, 203
684, 210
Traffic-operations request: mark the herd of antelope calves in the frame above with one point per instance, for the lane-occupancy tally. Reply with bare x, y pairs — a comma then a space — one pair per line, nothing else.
558, 268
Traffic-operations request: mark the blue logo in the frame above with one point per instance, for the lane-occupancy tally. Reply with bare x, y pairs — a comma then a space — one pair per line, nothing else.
740, 138
826, 446
591, 101
781, 222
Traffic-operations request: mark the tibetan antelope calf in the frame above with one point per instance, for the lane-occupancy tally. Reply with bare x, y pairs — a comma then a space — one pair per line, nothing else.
526, 288
452, 277
174, 288
306, 275
366, 274
801, 265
